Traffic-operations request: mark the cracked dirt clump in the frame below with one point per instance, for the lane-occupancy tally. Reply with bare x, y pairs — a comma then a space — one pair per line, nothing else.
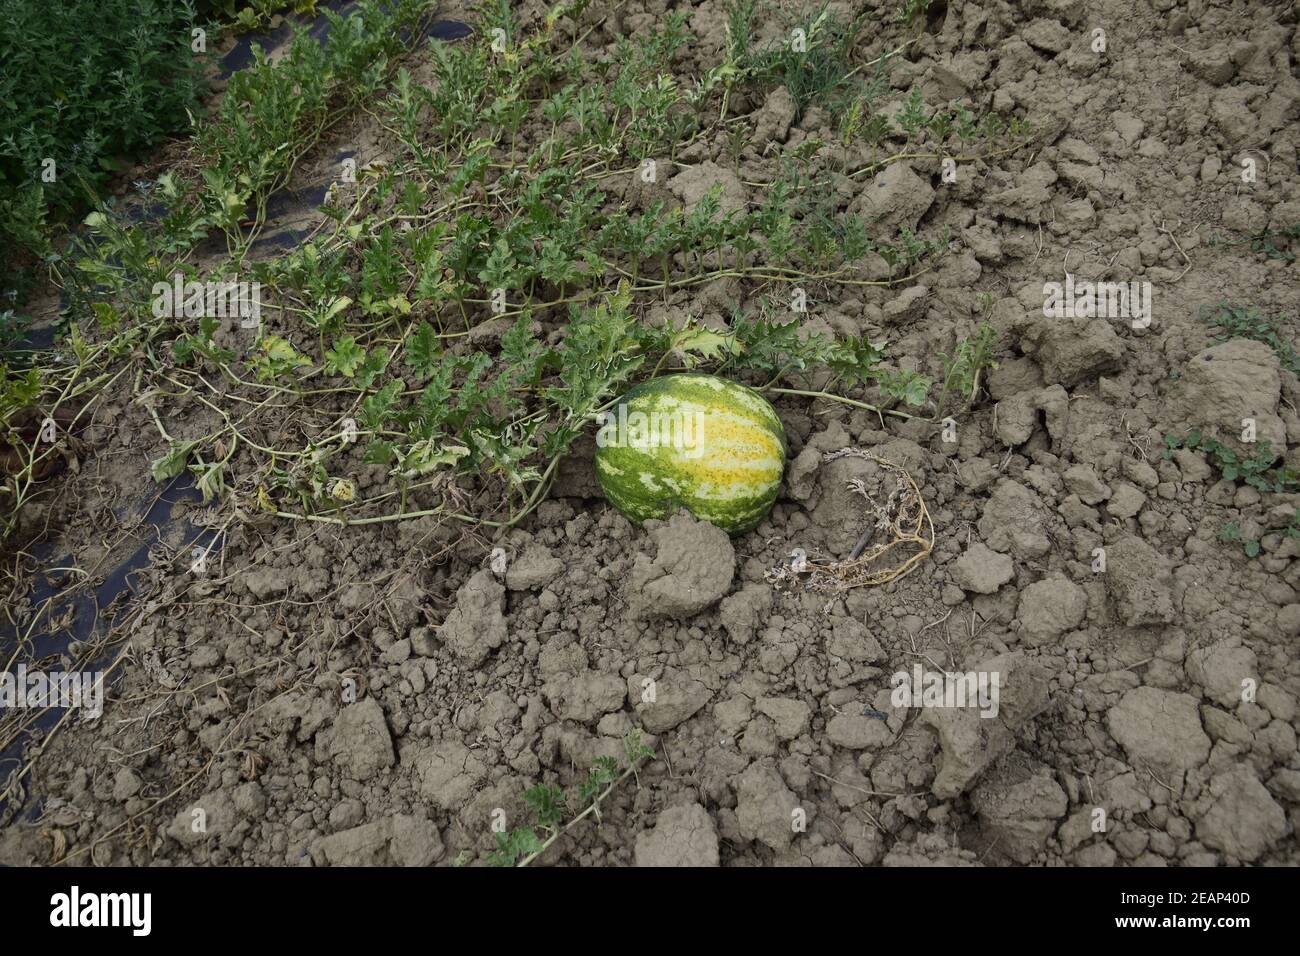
692, 569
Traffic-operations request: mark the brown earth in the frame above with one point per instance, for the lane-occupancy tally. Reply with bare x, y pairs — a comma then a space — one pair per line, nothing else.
1121, 689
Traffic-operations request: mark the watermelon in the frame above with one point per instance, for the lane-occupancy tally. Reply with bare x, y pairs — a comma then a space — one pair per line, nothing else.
691, 441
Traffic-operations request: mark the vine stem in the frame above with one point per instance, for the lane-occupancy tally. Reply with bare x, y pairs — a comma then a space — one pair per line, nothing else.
850, 401
536, 497
380, 519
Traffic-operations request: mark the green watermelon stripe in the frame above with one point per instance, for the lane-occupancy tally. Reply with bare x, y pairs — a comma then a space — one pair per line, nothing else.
634, 492
732, 480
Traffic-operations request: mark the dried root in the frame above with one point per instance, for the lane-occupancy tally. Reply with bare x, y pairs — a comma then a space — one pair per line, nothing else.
900, 537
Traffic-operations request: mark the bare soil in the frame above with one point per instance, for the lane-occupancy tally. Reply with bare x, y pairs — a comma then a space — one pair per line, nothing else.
375, 694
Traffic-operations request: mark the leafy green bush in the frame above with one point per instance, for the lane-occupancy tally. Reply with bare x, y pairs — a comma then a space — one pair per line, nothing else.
84, 82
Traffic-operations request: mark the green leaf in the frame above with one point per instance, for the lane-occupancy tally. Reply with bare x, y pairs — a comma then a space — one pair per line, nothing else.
634, 750
423, 351
374, 365
520, 349
277, 358
432, 286
706, 343
435, 399
916, 392
514, 846
106, 315
211, 480
547, 803
855, 359
173, 463
324, 318
426, 456
499, 272
345, 357
604, 771
906, 386
376, 408
380, 452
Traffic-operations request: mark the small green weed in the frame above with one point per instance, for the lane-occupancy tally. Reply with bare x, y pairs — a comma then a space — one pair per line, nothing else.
1275, 244
1231, 532
813, 61
1247, 322
1258, 470
962, 370
550, 805
912, 10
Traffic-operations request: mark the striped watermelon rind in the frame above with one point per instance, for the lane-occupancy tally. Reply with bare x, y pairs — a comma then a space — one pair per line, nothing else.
729, 475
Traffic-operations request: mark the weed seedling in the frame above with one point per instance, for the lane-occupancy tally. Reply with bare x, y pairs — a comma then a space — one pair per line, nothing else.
1247, 322
1230, 532
1257, 470
1275, 244
549, 805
